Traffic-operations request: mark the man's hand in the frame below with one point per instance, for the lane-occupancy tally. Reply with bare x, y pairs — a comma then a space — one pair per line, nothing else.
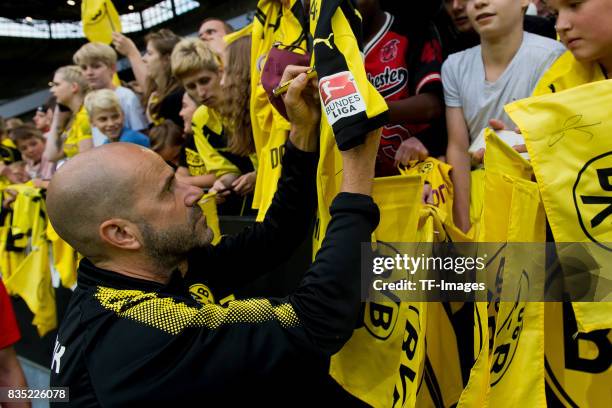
124, 45
411, 149
303, 108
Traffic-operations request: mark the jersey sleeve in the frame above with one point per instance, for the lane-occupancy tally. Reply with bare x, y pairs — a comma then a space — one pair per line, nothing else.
426, 64
271, 242
351, 104
452, 95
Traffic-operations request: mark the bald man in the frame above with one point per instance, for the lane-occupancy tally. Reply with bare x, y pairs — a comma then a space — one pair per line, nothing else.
132, 333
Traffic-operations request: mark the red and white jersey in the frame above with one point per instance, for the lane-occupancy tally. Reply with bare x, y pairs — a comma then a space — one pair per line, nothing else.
400, 65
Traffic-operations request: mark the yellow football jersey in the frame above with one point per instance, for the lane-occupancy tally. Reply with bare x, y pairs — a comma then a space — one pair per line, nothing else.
78, 131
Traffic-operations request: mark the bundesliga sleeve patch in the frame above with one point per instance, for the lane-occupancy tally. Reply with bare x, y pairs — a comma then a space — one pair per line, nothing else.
340, 96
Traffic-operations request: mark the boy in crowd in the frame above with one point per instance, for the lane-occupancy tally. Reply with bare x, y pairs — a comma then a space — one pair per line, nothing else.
104, 110
586, 29
44, 115
404, 65
458, 34
99, 64
478, 82
31, 145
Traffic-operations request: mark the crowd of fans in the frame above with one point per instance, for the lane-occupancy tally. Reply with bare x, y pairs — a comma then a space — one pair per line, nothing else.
445, 76
174, 77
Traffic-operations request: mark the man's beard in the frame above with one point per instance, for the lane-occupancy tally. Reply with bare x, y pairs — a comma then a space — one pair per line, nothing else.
168, 247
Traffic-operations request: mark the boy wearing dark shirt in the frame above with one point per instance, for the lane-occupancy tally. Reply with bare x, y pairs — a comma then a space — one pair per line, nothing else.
403, 62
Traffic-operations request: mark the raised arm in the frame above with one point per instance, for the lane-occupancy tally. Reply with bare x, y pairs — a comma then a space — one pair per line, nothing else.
54, 144
125, 46
259, 249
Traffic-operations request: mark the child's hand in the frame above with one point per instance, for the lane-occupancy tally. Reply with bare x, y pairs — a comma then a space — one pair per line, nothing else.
411, 149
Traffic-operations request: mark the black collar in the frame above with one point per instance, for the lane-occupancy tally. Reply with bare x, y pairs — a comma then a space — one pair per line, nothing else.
90, 275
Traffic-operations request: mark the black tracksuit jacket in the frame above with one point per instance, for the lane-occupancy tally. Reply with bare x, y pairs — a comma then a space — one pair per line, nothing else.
125, 341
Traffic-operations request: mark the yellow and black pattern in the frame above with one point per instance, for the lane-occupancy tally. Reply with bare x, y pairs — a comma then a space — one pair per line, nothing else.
195, 164
173, 317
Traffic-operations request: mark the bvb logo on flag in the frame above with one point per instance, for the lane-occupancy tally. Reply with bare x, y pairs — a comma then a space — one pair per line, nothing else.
593, 201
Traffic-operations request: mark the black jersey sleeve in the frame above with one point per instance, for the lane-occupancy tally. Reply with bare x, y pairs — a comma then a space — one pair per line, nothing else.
262, 247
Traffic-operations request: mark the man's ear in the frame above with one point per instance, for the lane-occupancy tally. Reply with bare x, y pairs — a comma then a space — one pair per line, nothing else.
121, 234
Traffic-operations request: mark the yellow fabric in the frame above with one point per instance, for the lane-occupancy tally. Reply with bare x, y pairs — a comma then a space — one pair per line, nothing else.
207, 122
517, 356
578, 370
9, 143
567, 135
65, 258
573, 128
384, 357
502, 163
274, 23
476, 194
100, 19
208, 205
195, 164
566, 73
260, 109
243, 32
511, 211
9, 260
78, 131
270, 167
32, 279
442, 382
329, 170
437, 174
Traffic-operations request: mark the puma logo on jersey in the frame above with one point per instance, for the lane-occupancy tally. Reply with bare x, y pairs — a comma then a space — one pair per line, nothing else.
58, 352
326, 41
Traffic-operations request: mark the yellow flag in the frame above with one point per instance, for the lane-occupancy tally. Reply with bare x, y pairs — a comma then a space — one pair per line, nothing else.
567, 72
437, 174
32, 279
382, 362
209, 208
568, 138
243, 32
269, 170
517, 356
65, 258
275, 23
100, 19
